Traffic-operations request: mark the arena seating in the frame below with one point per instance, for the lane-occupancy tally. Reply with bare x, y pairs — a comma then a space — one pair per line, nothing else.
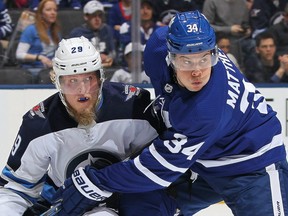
11, 73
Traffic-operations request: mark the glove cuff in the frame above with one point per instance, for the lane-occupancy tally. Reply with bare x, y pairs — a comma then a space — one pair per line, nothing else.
87, 188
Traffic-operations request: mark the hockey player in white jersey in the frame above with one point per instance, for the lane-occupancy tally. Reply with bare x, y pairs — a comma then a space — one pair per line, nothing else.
218, 125
88, 121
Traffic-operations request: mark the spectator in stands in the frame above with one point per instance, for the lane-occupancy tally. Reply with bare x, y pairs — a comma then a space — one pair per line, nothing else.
265, 66
166, 16
261, 12
17, 4
249, 4
62, 4
97, 31
124, 74
280, 32
148, 24
5, 22
179, 5
223, 42
118, 14
39, 41
232, 18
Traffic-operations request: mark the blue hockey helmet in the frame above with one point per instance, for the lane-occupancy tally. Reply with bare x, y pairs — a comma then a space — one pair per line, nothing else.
190, 32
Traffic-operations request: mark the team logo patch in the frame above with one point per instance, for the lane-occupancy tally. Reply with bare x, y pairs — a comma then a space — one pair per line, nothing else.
37, 110
168, 88
131, 91
98, 159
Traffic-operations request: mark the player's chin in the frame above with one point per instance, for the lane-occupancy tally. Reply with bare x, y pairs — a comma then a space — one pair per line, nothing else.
83, 108
195, 87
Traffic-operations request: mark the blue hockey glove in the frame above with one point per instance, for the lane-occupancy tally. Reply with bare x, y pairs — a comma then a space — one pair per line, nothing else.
79, 194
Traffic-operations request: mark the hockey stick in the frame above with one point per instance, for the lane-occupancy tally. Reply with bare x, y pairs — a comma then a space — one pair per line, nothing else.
53, 210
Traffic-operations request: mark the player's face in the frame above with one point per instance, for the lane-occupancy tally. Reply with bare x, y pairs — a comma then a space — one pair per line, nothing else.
193, 71
80, 91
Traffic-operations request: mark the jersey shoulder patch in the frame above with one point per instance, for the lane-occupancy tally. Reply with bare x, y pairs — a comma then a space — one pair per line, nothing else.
37, 110
131, 91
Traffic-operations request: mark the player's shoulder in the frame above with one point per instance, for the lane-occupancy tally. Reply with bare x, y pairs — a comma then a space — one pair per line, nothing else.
124, 92
46, 117
155, 51
157, 40
50, 114
123, 101
2, 6
41, 109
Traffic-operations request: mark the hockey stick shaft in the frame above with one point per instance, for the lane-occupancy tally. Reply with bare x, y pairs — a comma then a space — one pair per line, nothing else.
53, 210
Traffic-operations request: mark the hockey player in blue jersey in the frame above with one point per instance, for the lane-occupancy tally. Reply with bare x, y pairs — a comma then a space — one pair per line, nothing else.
88, 121
219, 127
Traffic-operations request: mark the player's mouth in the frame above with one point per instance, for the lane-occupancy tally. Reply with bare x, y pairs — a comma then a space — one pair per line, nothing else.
196, 82
83, 99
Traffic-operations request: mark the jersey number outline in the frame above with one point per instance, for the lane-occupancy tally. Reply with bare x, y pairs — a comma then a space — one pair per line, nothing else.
76, 49
16, 145
176, 146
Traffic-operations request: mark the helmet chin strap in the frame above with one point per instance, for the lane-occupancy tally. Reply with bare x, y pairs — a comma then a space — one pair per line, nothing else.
63, 99
168, 60
100, 97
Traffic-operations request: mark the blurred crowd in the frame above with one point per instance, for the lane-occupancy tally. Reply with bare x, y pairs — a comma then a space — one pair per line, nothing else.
253, 33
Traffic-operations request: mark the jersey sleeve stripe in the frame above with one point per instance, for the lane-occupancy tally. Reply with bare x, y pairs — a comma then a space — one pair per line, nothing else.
9, 175
276, 142
149, 174
164, 162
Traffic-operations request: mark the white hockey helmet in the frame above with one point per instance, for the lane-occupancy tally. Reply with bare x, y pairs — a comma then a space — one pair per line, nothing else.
76, 56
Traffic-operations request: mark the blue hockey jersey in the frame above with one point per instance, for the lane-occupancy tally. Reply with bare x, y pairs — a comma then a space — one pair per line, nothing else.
225, 129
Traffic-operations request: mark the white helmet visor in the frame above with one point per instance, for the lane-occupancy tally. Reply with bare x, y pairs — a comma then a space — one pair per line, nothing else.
194, 61
78, 84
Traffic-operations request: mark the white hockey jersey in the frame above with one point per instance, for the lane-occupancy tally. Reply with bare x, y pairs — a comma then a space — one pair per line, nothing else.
50, 145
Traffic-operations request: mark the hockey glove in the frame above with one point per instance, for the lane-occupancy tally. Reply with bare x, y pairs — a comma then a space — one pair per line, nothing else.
79, 194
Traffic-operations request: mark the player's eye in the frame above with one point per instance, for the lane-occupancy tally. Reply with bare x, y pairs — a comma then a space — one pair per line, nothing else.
74, 81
